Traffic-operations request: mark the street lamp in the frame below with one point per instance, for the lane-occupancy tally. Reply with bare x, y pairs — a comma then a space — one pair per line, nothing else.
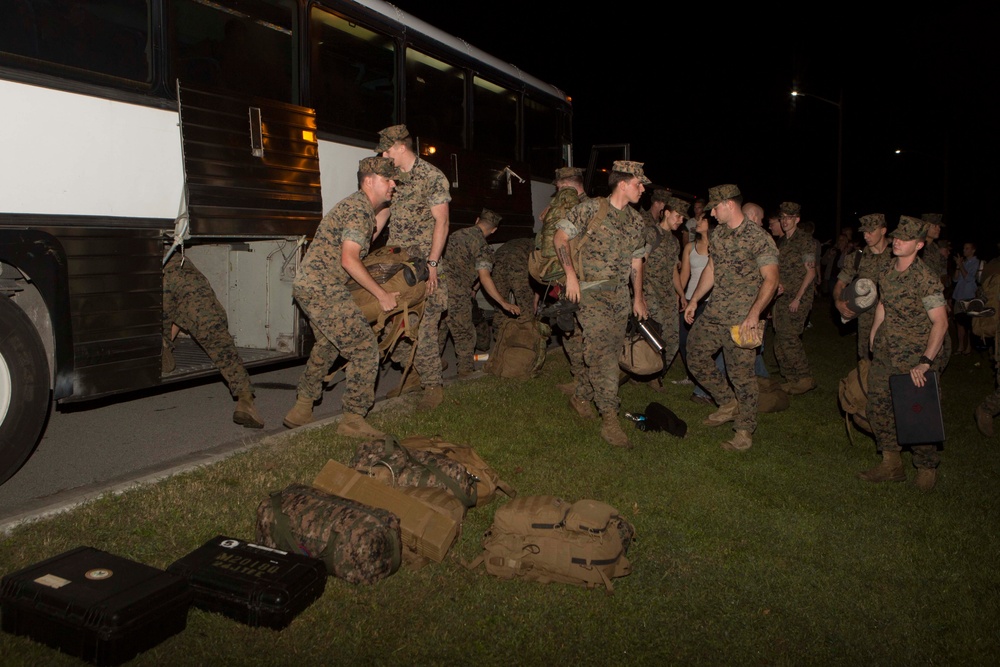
840, 148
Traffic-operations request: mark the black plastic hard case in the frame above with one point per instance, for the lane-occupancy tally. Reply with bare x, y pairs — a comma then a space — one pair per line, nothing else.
253, 584
94, 605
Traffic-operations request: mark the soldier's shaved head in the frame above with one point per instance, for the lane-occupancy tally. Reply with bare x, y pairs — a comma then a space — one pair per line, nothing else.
754, 213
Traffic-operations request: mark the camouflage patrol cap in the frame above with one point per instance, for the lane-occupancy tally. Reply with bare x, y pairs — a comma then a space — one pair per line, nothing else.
678, 205
721, 193
872, 221
790, 208
632, 169
661, 194
382, 166
491, 218
910, 229
933, 219
389, 136
563, 173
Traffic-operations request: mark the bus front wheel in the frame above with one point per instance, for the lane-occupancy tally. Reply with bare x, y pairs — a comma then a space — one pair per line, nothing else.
24, 388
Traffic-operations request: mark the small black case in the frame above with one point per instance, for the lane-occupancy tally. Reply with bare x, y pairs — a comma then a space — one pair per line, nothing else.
252, 584
94, 605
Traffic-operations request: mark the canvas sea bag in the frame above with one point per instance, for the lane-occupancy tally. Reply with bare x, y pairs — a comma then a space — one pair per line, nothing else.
487, 479
546, 539
392, 464
853, 394
519, 349
638, 356
358, 543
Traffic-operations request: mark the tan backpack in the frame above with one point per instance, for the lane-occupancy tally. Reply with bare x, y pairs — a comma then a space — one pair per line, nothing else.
545, 539
853, 393
487, 479
544, 265
519, 349
394, 269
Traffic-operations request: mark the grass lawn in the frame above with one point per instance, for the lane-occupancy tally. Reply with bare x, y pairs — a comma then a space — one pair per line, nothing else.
778, 555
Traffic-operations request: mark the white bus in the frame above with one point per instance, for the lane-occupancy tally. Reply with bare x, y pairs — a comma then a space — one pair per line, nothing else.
230, 125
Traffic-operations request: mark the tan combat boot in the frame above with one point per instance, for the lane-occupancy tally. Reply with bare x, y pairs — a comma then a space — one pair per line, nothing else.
925, 479
612, 432
410, 385
889, 470
245, 413
431, 398
726, 413
800, 386
582, 408
300, 414
740, 442
984, 421
355, 426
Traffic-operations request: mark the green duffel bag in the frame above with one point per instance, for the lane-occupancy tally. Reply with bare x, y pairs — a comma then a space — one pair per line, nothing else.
358, 543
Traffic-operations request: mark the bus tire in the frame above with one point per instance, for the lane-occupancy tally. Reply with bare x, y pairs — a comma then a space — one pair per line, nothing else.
24, 388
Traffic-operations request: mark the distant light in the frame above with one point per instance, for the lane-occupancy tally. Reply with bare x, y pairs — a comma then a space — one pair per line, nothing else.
898, 151
429, 150
795, 93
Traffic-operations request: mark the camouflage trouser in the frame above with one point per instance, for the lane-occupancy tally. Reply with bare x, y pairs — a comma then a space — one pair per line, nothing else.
191, 304
886, 362
508, 281
340, 329
427, 359
865, 322
573, 346
458, 322
669, 320
603, 316
703, 342
788, 327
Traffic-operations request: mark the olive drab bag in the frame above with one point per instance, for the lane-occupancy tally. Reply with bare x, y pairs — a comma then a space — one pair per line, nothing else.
358, 543
546, 539
989, 291
394, 465
519, 349
543, 264
853, 393
638, 356
487, 479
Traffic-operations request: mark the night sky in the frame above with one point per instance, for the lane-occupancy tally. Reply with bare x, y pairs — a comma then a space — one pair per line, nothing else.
703, 98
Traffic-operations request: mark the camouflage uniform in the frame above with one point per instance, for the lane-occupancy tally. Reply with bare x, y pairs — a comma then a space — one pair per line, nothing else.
871, 266
899, 343
564, 201
411, 225
467, 253
737, 257
793, 255
658, 285
605, 302
510, 271
336, 320
190, 302
931, 256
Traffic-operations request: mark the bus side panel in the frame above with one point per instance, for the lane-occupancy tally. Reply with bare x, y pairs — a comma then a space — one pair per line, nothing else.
116, 304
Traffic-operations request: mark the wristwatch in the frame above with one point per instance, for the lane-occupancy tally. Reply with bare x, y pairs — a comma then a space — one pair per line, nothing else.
925, 360
432, 263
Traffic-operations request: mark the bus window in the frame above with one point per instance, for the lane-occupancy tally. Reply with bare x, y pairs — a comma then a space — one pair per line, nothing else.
353, 76
494, 119
84, 40
544, 136
435, 99
245, 47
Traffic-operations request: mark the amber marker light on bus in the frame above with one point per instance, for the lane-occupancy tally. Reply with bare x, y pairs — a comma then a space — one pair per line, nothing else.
309, 135
429, 150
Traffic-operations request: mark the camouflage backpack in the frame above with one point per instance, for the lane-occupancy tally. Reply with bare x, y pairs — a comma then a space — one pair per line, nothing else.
519, 348
545, 539
487, 479
394, 465
544, 265
358, 543
853, 392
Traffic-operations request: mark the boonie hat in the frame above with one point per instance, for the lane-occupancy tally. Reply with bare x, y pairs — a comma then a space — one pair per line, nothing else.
721, 193
631, 168
390, 136
910, 229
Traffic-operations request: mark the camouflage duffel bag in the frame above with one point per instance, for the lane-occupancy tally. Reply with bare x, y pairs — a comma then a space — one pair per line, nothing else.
488, 480
358, 543
394, 465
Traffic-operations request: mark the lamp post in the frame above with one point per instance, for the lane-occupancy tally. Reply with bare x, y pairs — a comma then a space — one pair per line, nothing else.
840, 148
